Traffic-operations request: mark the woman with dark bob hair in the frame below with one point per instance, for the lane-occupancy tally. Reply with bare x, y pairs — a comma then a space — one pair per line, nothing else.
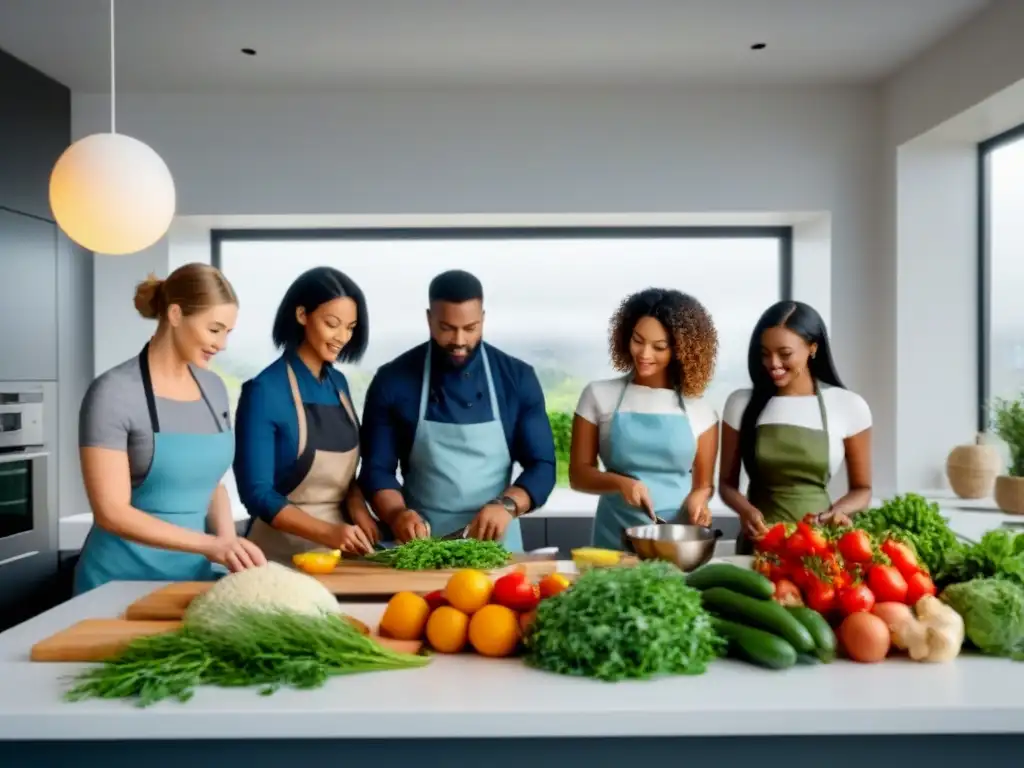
794, 429
297, 432
655, 437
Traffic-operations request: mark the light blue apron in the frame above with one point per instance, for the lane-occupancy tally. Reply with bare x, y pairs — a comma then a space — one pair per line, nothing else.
457, 469
184, 473
657, 449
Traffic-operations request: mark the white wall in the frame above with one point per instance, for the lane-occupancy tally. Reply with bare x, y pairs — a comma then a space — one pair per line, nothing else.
967, 88
528, 151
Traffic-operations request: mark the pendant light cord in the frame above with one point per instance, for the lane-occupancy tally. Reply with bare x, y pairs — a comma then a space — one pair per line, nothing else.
113, 96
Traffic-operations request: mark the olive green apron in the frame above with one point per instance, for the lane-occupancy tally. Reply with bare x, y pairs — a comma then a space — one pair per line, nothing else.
793, 473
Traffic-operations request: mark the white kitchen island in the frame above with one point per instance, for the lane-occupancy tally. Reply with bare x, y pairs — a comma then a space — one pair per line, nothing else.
467, 710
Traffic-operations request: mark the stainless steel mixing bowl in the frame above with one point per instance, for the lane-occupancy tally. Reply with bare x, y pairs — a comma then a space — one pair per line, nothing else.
687, 546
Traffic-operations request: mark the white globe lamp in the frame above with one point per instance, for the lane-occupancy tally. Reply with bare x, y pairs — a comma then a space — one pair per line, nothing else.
112, 194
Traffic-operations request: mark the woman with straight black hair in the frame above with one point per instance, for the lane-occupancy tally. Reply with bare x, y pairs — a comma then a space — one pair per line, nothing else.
297, 432
794, 429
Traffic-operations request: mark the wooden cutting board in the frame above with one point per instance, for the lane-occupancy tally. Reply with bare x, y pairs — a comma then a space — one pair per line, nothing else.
349, 579
100, 639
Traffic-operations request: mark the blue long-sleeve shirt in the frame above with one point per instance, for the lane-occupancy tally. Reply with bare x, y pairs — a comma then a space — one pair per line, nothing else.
456, 395
267, 430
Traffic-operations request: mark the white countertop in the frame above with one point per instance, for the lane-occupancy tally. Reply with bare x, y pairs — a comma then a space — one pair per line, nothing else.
470, 696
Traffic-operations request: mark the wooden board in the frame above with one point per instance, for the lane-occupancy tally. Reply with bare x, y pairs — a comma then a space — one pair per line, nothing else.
100, 639
350, 578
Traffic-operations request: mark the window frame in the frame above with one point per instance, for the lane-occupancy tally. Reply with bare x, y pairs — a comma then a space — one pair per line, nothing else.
984, 277
784, 235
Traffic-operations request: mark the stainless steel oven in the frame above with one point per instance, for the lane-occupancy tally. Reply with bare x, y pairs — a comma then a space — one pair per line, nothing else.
27, 527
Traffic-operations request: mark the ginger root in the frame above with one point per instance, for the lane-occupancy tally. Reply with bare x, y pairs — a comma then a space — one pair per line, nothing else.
934, 634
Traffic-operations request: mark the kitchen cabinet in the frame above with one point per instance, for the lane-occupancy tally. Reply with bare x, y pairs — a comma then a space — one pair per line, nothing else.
28, 298
35, 128
30, 586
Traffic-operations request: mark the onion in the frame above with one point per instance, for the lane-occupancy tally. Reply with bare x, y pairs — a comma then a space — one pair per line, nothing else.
865, 637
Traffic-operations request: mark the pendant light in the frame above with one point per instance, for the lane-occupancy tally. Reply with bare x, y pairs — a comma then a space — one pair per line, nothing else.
112, 193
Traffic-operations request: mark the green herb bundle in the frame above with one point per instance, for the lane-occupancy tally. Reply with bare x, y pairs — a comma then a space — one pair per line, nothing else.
999, 554
621, 623
435, 554
247, 647
915, 520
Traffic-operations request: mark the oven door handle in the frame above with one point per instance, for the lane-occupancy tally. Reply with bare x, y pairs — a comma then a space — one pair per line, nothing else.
22, 556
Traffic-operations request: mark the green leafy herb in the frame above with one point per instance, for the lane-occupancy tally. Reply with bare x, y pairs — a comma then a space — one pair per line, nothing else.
249, 647
999, 554
434, 554
993, 613
619, 623
1008, 422
915, 520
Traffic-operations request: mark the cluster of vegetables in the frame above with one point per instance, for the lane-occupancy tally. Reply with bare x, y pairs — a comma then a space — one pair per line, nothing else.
473, 610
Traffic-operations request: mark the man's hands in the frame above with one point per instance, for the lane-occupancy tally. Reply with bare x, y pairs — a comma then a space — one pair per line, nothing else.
490, 523
408, 525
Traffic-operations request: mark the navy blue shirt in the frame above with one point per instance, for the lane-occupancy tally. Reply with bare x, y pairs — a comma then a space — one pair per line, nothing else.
267, 429
457, 395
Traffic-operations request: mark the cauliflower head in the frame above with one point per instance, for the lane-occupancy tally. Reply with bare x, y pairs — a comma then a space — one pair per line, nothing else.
272, 587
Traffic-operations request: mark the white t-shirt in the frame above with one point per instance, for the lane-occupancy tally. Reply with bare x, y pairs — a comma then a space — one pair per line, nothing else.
848, 415
597, 405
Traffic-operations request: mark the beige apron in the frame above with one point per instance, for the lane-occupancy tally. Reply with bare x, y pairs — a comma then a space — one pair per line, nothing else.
326, 466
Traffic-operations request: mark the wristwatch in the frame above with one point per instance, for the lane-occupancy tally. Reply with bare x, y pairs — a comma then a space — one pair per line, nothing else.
509, 504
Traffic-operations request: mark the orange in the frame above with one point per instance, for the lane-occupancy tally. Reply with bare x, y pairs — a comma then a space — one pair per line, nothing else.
447, 629
405, 617
469, 590
494, 631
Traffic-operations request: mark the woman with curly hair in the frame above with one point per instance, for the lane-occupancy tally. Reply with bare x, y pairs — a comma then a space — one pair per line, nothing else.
794, 429
656, 438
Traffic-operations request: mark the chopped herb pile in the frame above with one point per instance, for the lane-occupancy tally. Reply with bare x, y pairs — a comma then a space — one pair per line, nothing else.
248, 647
435, 554
620, 623
915, 520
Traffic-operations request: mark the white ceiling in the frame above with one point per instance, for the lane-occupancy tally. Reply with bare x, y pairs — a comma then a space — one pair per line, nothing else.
193, 45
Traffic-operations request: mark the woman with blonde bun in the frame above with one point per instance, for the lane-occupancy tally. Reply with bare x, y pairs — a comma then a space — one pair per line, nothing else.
155, 442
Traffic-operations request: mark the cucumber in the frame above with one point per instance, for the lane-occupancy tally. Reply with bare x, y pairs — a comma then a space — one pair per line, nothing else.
763, 614
808, 659
742, 580
756, 645
814, 622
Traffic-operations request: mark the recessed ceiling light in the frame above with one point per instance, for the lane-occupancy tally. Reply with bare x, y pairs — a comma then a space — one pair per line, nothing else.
758, 46
249, 51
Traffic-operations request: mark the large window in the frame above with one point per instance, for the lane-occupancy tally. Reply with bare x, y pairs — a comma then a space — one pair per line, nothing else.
549, 295
1001, 274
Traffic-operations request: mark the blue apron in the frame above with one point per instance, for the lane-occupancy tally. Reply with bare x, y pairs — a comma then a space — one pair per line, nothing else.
455, 470
184, 473
657, 449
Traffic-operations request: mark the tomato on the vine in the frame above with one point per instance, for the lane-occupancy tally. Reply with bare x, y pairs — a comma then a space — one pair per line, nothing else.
887, 584
855, 547
787, 593
798, 545
774, 540
821, 596
919, 585
855, 598
902, 557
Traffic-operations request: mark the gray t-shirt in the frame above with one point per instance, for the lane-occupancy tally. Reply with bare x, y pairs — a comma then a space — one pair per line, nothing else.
114, 414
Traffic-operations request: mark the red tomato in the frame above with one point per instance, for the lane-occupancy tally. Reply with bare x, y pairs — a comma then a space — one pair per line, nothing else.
855, 547
855, 598
821, 597
818, 543
552, 584
797, 545
903, 558
773, 541
919, 585
787, 593
515, 591
435, 599
887, 584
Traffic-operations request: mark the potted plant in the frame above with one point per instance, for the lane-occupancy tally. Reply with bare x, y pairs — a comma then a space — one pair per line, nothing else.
1008, 423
